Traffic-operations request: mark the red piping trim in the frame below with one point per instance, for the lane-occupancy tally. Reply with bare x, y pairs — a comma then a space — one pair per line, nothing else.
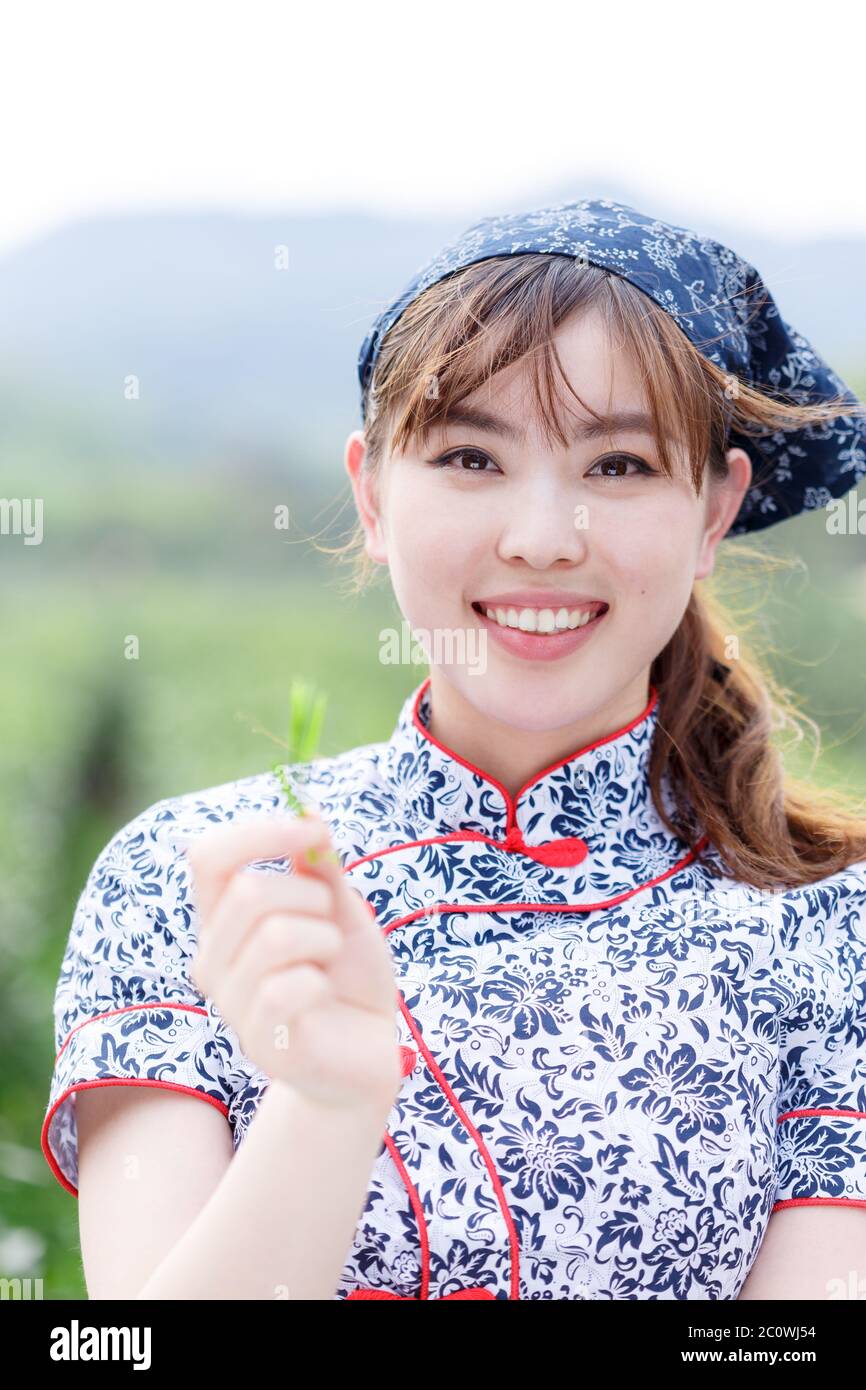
453, 837
818, 1202
418, 1209
482, 1148
511, 802
821, 1201
822, 1110
541, 907
112, 1081
513, 843
127, 1008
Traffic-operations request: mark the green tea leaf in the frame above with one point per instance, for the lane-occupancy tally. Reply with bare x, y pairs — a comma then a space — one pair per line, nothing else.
298, 700
292, 799
312, 732
306, 717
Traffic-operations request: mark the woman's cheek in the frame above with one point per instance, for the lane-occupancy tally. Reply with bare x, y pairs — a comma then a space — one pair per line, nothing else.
653, 549
425, 563
420, 516
431, 534
650, 573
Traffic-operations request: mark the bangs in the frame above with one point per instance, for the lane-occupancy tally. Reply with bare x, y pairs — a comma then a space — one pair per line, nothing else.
468, 327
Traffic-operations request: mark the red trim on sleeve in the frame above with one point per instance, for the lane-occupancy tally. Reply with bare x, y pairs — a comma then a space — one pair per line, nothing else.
822, 1110
818, 1202
112, 1081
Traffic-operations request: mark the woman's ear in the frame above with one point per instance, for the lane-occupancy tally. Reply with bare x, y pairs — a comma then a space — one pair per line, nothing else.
366, 501
724, 499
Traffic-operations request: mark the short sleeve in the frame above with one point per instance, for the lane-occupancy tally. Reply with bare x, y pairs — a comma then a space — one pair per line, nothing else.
125, 1010
821, 1119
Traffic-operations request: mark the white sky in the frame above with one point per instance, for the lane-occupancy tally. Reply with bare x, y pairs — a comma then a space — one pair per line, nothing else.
751, 112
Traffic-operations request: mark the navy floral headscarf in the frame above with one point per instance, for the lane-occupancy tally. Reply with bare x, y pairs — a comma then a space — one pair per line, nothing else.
720, 303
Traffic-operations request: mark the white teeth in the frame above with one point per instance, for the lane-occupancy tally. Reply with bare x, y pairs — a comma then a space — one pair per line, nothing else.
539, 619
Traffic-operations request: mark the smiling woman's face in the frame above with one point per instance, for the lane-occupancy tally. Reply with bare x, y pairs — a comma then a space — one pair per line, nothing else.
510, 513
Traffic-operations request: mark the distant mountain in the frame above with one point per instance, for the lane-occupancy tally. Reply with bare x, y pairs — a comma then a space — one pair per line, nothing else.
238, 359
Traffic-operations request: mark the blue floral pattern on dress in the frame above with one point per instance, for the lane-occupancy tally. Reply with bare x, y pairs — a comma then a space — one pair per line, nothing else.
620, 1062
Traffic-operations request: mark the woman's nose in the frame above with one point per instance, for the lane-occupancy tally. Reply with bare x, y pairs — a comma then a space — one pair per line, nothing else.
543, 525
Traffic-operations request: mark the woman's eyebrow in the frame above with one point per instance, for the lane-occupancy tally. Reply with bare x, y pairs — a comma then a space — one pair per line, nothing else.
635, 421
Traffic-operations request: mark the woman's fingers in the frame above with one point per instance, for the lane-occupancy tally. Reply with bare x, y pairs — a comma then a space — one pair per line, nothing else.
272, 1012
352, 912
224, 849
278, 943
305, 943
363, 973
252, 894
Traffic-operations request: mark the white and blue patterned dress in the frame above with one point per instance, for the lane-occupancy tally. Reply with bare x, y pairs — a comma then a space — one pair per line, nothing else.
618, 1062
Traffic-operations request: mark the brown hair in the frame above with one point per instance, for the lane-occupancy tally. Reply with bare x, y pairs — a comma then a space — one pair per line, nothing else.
715, 720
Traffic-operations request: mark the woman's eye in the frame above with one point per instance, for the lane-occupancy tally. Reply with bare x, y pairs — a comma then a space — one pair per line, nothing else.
475, 461
475, 455
619, 459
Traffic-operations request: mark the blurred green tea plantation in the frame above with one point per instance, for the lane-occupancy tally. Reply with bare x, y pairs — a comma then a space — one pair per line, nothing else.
226, 610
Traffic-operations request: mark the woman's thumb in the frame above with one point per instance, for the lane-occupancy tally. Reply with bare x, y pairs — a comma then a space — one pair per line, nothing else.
352, 910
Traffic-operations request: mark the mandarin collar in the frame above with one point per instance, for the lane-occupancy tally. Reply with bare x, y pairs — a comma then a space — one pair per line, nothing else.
564, 813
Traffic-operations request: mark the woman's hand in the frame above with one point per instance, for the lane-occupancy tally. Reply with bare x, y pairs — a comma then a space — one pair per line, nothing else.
295, 963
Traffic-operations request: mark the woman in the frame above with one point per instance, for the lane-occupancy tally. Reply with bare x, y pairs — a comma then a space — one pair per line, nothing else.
629, 957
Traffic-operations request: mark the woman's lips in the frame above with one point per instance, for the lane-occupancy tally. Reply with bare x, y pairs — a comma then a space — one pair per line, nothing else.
540, 646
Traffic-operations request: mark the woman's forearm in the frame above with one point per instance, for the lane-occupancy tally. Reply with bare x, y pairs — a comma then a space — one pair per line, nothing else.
280, 1222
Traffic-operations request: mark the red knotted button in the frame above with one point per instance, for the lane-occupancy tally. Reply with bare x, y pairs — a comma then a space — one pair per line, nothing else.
466, 1293
514, 840
556, 854
408, 1058
559, 854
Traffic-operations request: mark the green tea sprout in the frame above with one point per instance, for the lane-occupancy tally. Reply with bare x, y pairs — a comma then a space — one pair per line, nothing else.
306, 717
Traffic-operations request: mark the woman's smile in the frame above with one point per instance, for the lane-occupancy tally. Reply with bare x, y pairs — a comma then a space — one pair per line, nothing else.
541, 634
